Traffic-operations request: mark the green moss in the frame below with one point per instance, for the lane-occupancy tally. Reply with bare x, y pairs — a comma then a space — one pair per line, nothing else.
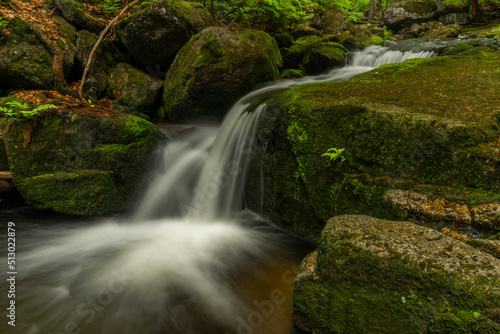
291, 74
78, 193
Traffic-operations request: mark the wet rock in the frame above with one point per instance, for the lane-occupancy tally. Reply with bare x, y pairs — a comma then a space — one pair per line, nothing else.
212, 71
381, 276
154, 35
134, 88
406, 13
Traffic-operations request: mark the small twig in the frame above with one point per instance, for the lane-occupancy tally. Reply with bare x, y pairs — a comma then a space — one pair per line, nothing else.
101, 37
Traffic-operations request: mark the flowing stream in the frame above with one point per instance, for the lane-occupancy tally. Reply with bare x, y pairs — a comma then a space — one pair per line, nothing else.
189, 259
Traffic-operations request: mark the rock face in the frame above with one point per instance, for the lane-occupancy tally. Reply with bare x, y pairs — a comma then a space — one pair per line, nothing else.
407, 12
380, 276
314, 54
407, 135
79, 162
212, 71
4, 164
450, 31
454, 18
134, 87
154, 35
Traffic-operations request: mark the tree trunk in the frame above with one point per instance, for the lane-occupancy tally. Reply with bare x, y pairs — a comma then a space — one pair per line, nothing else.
371, 10
474, 10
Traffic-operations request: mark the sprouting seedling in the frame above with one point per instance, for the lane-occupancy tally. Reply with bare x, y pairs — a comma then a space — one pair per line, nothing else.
334, 154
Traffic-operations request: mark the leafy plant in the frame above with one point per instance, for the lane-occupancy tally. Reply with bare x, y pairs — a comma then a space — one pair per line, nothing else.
334, 154
111, 6
12, 109
3, 23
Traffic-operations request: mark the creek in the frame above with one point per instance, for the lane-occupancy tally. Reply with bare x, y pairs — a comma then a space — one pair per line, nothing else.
189, 258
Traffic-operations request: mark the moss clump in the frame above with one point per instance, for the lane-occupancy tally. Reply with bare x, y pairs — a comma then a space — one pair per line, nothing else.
77, 193
291, 74
266, 42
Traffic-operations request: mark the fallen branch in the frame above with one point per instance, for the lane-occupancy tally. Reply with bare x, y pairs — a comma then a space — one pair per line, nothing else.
101, 37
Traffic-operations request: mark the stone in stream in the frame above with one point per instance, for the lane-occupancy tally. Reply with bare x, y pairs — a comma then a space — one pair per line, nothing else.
79, 161
379, 276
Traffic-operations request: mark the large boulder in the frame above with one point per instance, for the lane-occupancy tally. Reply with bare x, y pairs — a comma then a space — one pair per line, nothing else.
154, 35
212, 71
405, 13
134, 88
409, 134
78, 161
379, 276
314, 54
332, 22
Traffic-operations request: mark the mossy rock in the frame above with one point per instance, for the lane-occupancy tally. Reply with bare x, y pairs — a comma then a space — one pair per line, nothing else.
265, 41
359, 39
380, 276
291, 74
100, 153
86, 192
314, 54
134, 88
450, 31
400, 122
77, 14
211, 72
24, 61
154, 35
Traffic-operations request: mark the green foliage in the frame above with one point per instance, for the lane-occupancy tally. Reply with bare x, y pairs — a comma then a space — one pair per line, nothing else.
111, 6
274, 15
353, 9
12, 109
3, 23
334, 154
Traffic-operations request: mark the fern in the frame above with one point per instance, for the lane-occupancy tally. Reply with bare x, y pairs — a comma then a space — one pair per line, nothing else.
13, 108
334, 154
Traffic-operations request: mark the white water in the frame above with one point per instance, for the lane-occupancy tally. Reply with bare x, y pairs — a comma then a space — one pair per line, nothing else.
178, 264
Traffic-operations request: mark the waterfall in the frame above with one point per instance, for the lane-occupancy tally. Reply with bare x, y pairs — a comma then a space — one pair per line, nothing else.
190, 260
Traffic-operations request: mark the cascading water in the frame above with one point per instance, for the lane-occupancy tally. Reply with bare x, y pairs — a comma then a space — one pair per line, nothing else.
188, 261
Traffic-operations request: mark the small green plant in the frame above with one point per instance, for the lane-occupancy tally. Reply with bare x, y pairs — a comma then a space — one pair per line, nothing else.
12, 109
3, 23
111, 6
334, 154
